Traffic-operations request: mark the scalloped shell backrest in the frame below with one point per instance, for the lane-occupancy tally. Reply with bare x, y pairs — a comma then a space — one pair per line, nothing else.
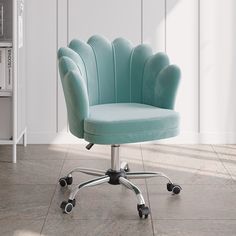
113, 71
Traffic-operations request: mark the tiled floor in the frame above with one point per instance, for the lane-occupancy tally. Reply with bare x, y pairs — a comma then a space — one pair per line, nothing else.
30, 196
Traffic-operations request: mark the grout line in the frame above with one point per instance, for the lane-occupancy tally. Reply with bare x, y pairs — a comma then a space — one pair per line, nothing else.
198, 184
194, 219
222, 162
53, 193
149, 203
48, 208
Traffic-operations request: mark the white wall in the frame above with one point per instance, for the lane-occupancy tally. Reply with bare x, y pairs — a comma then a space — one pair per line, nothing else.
182, 48
41, 41
197, 35
218, 70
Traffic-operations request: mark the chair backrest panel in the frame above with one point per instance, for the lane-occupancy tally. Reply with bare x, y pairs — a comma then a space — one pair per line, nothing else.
153, 66
75, 57
137, 64
103, 54
122, 51
74, 87
113, 71
87, 55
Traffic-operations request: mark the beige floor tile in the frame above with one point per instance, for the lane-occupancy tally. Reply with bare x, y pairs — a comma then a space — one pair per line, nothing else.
205, 206
226, 150
31, 172
194, 202
21, 227
79, 152
98, 228
131, 152
99, 202
227, 155
34, 152
25, 201
96, 164
43, 152
204, 152
194, 227
5, 153
191, 164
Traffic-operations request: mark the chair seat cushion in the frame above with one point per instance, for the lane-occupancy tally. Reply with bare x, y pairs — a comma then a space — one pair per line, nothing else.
118, 123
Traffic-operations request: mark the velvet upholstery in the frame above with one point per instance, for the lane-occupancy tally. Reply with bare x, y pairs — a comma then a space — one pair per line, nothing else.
116, 93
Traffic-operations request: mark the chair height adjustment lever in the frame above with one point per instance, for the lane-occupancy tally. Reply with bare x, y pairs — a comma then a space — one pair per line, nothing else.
89, 146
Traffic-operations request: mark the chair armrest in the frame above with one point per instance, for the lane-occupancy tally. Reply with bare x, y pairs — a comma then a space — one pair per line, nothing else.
160, 81
153, 66
75, 57
76, 96
166, 87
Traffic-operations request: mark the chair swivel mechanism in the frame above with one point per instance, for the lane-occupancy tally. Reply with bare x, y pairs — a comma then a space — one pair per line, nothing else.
116, 94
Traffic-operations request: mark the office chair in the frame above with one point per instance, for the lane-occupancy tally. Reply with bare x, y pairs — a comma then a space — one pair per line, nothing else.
115, 94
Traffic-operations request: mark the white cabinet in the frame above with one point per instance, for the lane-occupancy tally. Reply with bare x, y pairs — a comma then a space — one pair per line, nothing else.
12, 74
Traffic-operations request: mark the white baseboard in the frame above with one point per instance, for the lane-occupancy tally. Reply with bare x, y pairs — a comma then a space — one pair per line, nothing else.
53, 138
183, 138
217, 138
201, 138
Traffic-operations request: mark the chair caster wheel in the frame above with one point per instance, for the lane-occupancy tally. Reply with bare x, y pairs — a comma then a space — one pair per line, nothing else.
64, 181
174, 188
127, 169
67, 207
143, 211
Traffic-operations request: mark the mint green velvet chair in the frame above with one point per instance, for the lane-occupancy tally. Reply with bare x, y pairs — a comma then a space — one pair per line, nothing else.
115, 94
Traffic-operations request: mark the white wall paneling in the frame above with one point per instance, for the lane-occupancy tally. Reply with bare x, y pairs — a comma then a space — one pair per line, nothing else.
64, 20
218, 71
199, 40
41, 68
111, 18
182, 48
62, 41
154, 24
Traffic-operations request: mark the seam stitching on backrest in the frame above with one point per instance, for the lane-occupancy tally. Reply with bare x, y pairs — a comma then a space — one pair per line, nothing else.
84, 67
142, 85
130, 74
99, 96
114, 63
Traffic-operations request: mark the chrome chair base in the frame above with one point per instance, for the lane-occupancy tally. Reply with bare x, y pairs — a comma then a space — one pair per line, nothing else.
118, 174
